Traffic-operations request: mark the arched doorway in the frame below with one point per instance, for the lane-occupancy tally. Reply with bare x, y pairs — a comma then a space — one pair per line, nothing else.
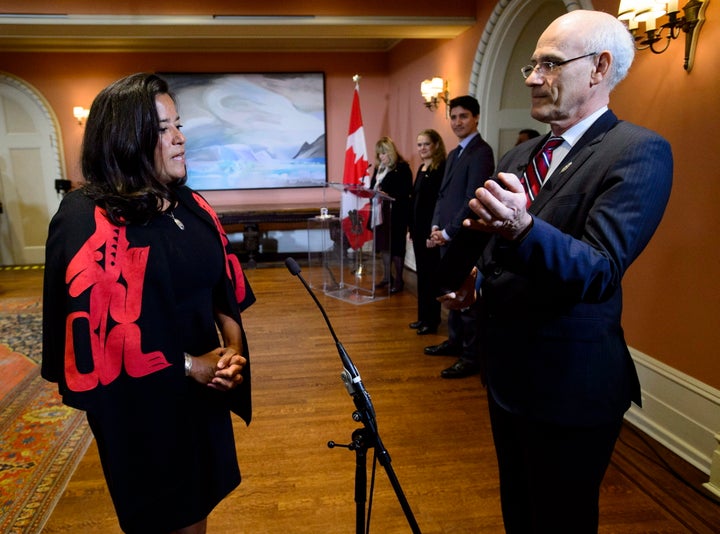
30, 162
506, 45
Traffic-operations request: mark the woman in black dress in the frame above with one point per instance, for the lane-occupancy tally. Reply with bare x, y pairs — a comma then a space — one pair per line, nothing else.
139, 281
431, 149
393, 177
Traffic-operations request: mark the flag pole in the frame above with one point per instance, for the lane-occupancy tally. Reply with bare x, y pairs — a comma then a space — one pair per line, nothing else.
359, 268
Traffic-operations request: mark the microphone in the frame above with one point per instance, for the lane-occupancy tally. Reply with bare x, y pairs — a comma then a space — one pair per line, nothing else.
350, 376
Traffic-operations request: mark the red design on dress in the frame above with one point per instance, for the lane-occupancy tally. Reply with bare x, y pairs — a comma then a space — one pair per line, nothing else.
232, 263
114, 273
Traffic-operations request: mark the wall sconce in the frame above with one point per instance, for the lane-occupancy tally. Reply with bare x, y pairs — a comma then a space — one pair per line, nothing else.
648, 11
433, 91
81, 114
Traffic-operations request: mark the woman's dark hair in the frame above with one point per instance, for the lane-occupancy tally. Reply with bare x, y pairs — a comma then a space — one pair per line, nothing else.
118, 151
439, 155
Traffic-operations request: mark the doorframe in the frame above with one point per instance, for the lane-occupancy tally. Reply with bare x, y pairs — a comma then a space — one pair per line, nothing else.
495, 47
49, 114
49, 125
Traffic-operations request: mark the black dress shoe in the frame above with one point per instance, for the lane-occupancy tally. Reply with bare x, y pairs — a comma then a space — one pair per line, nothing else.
446, 348
397, 289
461, 369
425, 330
416, 324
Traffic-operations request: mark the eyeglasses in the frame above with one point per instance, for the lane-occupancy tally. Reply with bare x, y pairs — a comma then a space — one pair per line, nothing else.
547, 67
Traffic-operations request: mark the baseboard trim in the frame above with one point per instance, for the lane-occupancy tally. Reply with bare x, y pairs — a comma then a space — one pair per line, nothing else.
680, 412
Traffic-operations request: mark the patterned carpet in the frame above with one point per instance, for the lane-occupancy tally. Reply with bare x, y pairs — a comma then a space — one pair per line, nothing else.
41, 440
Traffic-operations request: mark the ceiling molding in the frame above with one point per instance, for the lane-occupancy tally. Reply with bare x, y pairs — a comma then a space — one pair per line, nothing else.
144, 33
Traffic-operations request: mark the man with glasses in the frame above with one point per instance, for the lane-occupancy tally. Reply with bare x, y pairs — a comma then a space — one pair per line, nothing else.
568, 214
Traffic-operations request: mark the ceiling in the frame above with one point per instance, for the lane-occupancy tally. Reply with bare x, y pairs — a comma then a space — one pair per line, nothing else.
216, 33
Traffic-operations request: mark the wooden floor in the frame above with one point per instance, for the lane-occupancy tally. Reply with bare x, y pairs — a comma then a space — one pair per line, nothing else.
436, 431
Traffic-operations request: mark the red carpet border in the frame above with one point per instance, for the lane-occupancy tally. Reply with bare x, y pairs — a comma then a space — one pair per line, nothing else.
41, 440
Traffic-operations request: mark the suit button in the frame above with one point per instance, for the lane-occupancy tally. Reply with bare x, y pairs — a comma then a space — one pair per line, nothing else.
497, 271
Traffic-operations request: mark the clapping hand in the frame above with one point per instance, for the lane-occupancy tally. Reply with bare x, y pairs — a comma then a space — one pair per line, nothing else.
464, 297
500, 208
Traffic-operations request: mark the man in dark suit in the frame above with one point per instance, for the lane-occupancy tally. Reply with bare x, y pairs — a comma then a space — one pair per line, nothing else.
558, 370
468, 166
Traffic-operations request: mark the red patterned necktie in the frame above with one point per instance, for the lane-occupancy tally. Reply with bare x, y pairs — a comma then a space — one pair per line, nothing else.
534, 176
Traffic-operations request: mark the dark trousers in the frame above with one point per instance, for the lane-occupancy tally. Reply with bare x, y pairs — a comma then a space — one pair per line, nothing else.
550, 475
463, 327
463, 332
427, 261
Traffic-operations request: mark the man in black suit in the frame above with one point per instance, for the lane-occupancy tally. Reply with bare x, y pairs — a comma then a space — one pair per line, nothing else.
468, 166
558, 370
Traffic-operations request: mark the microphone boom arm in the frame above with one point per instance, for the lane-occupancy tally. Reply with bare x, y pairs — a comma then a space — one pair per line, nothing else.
364, 413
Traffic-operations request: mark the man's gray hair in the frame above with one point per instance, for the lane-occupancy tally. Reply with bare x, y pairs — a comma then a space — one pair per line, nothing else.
612, 35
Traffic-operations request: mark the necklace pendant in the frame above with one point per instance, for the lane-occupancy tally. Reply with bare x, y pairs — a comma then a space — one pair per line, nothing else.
178, 223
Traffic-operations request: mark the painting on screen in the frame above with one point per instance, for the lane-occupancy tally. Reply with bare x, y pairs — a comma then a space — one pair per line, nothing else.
252, 131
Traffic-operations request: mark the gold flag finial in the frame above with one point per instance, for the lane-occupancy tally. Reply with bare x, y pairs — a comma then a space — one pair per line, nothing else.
356, 78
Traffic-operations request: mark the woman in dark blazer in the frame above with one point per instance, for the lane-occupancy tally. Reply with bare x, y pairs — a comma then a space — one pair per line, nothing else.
433, 154
393, 177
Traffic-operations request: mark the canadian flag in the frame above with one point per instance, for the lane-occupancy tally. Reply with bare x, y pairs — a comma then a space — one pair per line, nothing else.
354, 205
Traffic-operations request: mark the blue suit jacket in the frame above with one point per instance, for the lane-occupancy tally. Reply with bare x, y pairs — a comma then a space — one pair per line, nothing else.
462, 177
551, 305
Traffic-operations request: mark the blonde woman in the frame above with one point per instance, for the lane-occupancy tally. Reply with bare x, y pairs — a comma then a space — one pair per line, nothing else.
393, 177
432, 152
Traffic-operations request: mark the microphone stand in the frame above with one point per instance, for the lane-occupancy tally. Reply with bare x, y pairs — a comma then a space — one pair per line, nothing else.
362, 438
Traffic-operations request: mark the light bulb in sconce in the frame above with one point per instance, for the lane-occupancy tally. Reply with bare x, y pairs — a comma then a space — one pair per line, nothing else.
663, 23
434, 90
80, 114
